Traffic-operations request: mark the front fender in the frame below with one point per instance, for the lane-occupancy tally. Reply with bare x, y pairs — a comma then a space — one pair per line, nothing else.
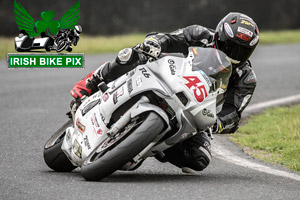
145, 107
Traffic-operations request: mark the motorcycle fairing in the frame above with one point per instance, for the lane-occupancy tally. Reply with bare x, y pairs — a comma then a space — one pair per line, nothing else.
164, 77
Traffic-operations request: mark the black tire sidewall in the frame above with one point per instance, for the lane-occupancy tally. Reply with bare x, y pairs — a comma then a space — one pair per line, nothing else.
126, 150
54, 156
56, 159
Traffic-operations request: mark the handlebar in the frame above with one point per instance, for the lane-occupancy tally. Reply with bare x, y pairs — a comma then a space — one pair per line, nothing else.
139, 50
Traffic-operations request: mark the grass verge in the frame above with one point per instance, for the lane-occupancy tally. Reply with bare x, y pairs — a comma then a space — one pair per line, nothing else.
107, 44
86, 44
7, 45
273, 136
278, 37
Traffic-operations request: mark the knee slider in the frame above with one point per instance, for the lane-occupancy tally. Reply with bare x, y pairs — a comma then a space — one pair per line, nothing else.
200, 164
201, 158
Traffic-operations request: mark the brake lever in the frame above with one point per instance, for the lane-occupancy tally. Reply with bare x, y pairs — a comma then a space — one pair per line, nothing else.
139, 50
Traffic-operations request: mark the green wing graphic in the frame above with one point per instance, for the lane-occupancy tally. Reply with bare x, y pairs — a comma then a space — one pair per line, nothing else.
70, 18
24, 20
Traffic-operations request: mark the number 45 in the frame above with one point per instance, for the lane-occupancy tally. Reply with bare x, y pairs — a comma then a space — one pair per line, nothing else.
197, 87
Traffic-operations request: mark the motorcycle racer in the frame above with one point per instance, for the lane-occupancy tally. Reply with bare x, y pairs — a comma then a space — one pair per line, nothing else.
236, 35
71, 34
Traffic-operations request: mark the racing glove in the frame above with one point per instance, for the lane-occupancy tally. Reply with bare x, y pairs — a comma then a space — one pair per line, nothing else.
151, 46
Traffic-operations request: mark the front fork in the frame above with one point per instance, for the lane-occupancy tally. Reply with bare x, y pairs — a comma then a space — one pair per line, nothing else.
209, 133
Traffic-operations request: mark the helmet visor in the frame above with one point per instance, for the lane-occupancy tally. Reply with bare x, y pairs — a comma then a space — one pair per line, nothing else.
237, 53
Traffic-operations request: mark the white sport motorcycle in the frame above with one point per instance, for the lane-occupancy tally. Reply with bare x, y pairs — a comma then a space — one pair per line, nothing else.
141, 114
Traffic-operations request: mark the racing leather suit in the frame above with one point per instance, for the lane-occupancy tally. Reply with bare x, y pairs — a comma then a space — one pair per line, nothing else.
239, 92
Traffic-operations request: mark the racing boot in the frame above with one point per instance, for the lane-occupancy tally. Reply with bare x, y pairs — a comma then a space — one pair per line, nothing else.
93, 81
126, 60
80, 89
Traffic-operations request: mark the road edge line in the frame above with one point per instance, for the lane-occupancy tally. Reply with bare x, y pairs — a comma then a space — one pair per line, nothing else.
220, 151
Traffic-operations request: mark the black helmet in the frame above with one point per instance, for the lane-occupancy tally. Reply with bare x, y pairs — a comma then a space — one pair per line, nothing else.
237, 36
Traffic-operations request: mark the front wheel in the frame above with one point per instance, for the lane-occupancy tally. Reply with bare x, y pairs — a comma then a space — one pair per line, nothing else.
61, 45
112, 154
54, 157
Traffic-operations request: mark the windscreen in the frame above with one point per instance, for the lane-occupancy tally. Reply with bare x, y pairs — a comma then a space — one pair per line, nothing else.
214, 64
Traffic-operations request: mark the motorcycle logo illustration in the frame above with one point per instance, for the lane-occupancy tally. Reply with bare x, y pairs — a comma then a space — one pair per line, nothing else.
65, 31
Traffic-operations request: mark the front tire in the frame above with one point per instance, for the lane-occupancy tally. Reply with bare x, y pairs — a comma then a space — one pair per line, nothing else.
101, 164
54, 157
61, 46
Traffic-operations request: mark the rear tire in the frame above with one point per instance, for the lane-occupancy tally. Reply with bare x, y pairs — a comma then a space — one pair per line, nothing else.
54, 157
99, 165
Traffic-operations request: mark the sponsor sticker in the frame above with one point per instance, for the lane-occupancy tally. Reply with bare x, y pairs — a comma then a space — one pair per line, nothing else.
105, 97
94, 120
247, 23
129, 85
80, 126
244, 37
207, 113
96, 125
138, 81
245, 31
228, 30
207, 79
117, 94
99, 132
172, 66
254, 41
86, 142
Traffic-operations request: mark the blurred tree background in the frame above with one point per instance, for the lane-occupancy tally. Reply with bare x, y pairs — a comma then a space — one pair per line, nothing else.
115, 17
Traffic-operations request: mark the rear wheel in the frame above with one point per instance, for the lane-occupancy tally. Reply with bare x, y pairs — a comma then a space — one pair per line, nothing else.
54, 157
113, 153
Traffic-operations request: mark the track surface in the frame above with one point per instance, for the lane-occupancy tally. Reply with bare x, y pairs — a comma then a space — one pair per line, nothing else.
33, 103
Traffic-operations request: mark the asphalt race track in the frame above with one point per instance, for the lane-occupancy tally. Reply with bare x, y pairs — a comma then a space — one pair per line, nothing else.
33, 105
